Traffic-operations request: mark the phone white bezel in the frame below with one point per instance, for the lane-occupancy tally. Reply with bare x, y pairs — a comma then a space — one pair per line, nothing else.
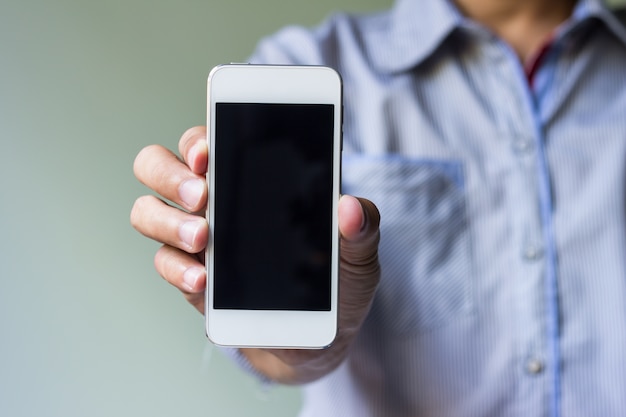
244, 83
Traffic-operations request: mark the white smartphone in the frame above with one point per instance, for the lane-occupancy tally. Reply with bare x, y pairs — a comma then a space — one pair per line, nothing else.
272, 261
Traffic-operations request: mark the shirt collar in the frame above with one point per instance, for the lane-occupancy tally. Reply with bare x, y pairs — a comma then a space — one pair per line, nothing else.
417, 28
589, 9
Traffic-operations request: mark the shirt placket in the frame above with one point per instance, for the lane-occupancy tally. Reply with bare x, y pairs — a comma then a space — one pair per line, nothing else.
531, 276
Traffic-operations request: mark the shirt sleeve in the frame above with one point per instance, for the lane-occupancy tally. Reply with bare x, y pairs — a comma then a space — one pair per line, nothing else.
239, 358
298, 45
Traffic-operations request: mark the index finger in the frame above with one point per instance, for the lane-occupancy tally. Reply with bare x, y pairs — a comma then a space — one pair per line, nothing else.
194, 150
159, 169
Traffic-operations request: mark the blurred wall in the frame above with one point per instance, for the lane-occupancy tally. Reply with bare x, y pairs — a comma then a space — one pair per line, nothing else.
87, 328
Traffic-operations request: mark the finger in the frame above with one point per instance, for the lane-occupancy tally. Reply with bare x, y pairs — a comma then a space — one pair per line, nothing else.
194, 150
184, 271
359, 221
156, 220
159, 169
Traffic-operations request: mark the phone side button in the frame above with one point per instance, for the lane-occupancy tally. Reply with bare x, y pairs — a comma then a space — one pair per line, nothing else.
341, 134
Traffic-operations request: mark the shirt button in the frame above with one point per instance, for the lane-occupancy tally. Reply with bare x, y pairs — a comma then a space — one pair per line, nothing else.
534, 366
522, 146
532, 252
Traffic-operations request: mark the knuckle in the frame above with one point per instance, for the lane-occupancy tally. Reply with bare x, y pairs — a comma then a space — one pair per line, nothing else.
163, 263
141, 158
136, 211
140, 212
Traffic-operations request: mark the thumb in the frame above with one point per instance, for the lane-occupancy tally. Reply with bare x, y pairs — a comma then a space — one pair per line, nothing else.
359, 220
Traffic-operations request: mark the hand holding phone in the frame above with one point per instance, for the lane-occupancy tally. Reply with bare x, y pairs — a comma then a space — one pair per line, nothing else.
176, 260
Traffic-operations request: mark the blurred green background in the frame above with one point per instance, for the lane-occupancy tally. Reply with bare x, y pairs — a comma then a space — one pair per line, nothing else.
87, 328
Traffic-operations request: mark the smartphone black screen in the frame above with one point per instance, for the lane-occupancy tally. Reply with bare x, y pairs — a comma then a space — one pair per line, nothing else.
272, 231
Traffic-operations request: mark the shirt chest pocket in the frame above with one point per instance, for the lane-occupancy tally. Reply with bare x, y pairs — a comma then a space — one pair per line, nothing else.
425, 240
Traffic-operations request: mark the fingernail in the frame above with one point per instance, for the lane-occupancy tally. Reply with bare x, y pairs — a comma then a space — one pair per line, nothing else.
196, 149
358, 207
188, 232
191, 192
191, 277
193, 151
193, 154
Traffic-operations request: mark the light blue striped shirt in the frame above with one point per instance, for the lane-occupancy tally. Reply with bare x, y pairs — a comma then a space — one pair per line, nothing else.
503, 213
